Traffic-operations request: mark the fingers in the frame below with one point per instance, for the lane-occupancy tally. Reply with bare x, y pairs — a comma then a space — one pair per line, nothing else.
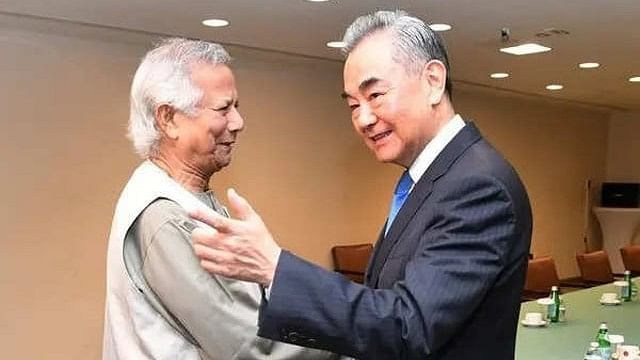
212, 218
208, 248
206, 237
239, 205
213, 268
212, 260
207, 253
219, 262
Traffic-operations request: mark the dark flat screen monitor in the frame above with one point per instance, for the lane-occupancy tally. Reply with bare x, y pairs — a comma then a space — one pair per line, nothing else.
621, 195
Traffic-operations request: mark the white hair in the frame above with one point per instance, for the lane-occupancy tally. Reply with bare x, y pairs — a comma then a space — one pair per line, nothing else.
164, 77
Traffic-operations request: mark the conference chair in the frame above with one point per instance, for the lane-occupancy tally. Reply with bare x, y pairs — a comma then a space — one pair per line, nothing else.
541, 276
351, 260
595, 268
631, 258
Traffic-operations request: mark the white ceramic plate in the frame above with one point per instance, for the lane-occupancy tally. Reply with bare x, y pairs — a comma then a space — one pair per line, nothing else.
538, 324
544, 301
616, 302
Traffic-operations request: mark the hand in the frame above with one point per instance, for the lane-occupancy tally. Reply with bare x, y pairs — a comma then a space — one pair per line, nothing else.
241, 248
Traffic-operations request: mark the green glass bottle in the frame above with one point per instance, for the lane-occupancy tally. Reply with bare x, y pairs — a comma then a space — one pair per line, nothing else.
604, 345
554, 307
626, 295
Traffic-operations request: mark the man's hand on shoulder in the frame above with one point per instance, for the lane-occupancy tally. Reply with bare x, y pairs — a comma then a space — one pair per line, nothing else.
240, 248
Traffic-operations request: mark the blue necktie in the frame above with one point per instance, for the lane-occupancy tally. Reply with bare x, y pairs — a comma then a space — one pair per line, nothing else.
399, 196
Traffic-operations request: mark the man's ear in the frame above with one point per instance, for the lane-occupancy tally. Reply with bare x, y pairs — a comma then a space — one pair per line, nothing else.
434, 75
165, 120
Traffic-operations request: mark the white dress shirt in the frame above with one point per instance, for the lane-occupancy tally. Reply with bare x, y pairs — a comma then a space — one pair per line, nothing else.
435, 147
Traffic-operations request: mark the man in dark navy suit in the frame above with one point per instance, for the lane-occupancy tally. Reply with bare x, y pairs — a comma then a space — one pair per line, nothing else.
445, 278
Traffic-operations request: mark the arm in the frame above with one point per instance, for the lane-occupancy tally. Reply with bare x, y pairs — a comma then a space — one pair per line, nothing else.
461, 253
221, 314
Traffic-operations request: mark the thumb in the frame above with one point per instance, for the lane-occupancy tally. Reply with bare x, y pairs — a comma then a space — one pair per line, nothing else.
239, 205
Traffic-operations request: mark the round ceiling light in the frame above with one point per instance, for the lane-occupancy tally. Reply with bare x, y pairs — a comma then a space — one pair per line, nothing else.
499, 75
440, 27
589, 65
215, 22
336, 44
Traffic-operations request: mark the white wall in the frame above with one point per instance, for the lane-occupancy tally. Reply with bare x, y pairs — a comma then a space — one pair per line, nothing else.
623, 155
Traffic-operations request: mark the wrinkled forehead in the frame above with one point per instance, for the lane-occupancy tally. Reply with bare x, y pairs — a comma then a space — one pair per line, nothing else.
216, 74
374, 47
373, 57
214, 80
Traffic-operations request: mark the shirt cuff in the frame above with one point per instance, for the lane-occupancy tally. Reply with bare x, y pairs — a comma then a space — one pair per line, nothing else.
266, 290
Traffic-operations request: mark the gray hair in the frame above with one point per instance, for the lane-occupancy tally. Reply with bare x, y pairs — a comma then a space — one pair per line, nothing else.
414, 42
164, 77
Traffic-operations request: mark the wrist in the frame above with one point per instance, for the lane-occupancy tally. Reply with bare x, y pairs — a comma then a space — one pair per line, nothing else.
271, 272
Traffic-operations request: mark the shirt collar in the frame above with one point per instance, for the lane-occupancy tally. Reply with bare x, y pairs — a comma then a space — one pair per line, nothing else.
434, 147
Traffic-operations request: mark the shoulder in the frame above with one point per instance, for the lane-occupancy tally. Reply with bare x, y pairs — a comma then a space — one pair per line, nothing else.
162, 210
483, 164
482, 176
163, 216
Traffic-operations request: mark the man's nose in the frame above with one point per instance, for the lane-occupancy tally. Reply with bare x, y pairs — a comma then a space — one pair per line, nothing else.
236, 122
365, 118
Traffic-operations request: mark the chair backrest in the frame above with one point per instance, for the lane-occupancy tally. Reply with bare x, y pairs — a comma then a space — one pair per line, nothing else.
595, 267
631, 258
351, 260
541, 275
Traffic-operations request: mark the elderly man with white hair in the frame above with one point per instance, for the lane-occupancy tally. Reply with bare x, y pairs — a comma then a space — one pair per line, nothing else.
160, 303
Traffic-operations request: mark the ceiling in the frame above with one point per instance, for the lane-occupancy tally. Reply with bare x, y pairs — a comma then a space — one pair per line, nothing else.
604, 31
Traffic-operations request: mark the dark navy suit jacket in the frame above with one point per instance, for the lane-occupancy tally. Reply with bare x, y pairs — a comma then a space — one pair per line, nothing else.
445, 283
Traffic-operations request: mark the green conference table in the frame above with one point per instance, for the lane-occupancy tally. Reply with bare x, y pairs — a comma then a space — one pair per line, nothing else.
569, 340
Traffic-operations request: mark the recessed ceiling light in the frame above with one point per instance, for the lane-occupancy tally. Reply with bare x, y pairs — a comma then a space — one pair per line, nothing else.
634, 79
499, 75
336, 44
525, 49
215, 22
589, 65
554, 87
440, 27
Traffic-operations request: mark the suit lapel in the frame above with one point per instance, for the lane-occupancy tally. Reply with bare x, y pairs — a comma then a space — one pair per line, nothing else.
465, 138
372, 260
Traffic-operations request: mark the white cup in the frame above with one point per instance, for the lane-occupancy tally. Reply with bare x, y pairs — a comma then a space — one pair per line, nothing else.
609, 297
533, 318
616, 341
628, 352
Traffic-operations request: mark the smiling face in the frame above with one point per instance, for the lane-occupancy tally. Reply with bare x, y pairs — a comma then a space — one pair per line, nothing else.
205, 140
391, 108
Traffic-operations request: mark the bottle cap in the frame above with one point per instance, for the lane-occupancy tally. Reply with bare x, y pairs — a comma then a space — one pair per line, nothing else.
627, 272
603, 325
554, 288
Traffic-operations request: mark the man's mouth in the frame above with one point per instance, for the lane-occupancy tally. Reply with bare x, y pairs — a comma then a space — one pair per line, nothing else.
380, 136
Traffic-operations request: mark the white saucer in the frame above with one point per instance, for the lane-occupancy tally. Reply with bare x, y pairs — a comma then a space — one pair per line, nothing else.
616, 302
537, 324
620, 283
544, 301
